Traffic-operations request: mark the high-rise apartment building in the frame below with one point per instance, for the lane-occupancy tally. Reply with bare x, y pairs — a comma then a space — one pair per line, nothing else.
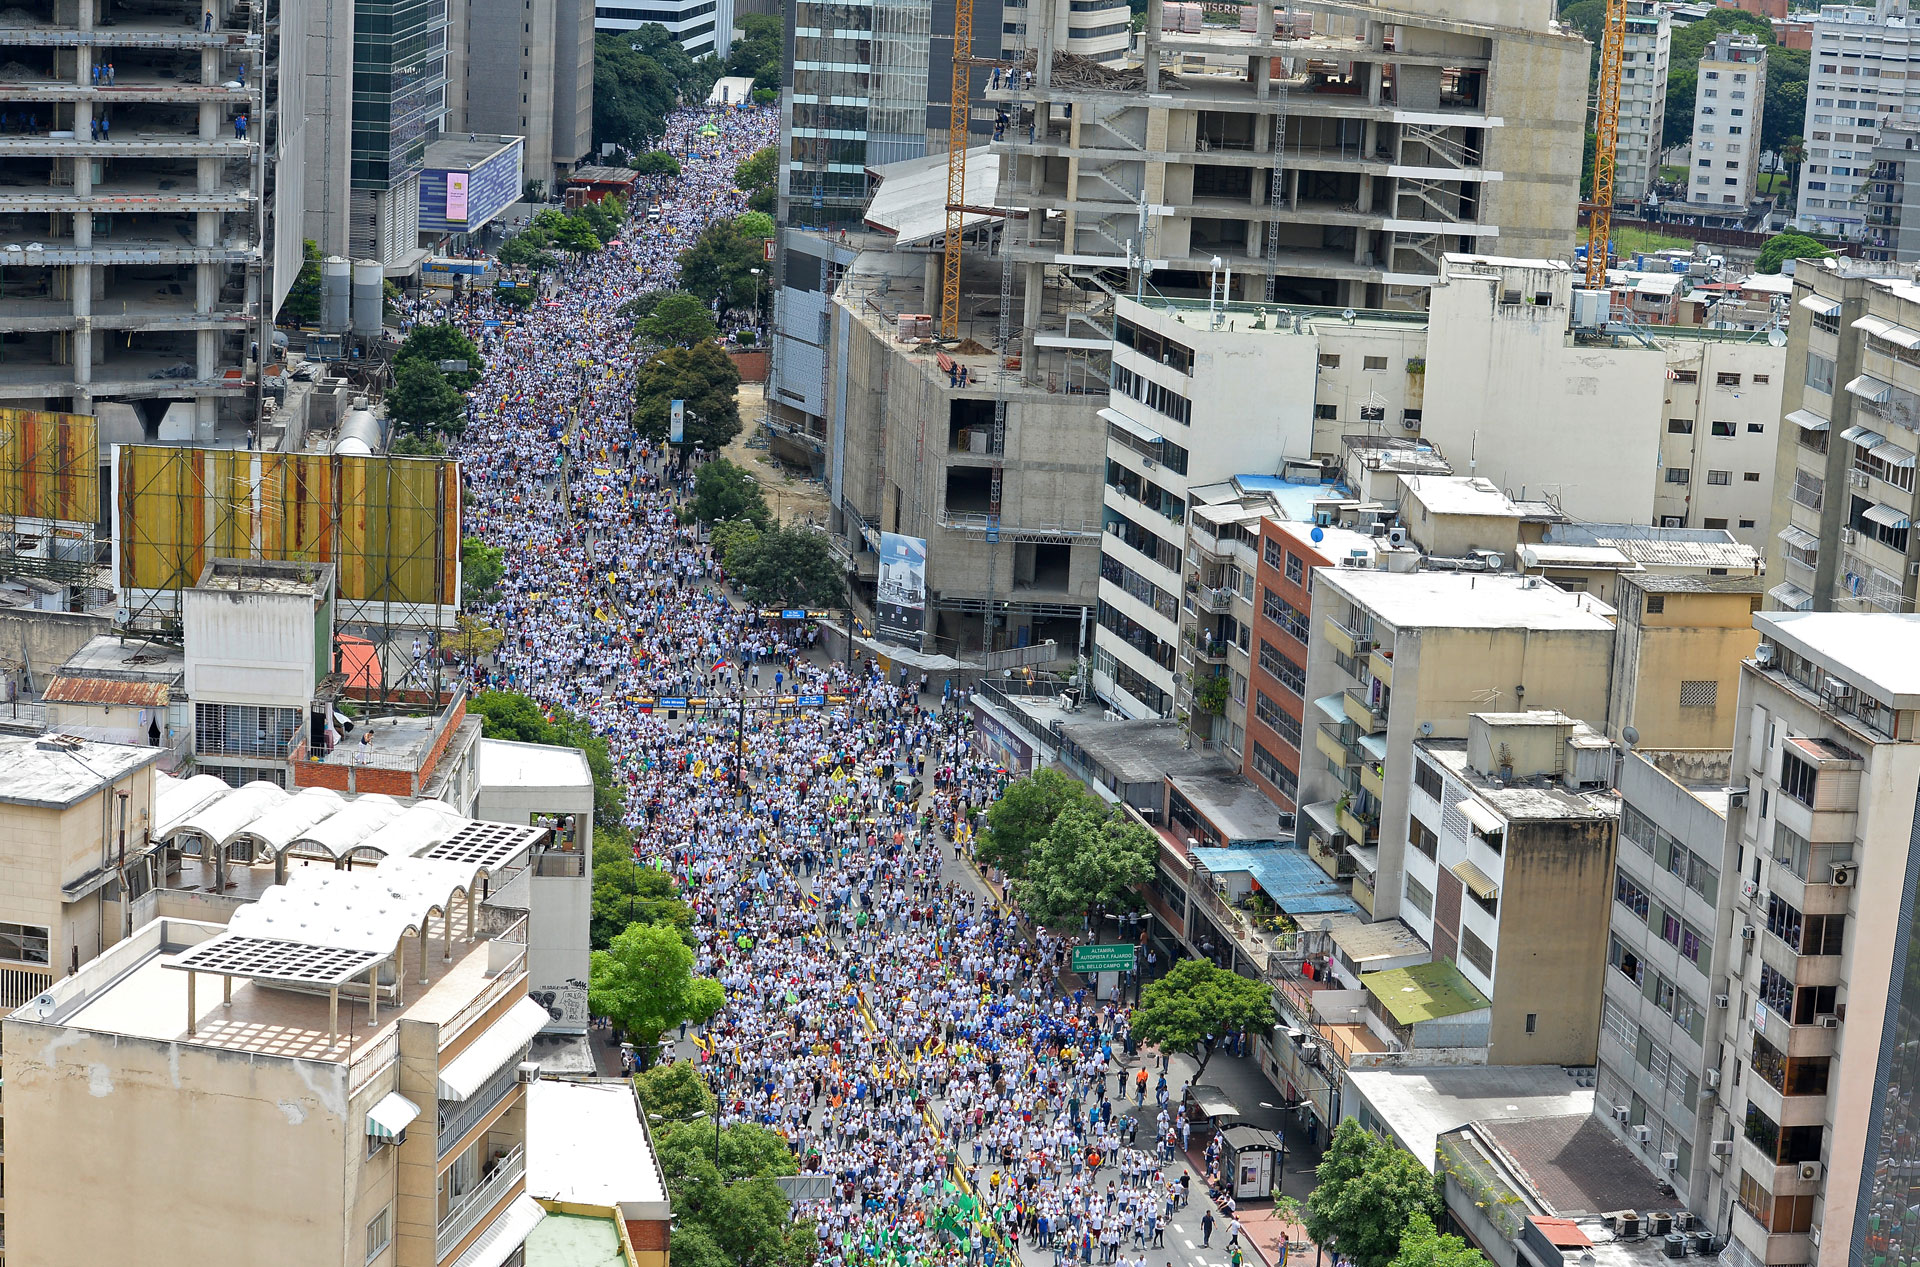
150, 223
1643, 101
1730, 98
538, 86
1844, 491
1811, 1152
1847, 106
703, 27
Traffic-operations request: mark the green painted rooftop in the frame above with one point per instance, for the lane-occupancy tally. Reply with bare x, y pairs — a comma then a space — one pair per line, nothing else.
574, 1240
1424, 992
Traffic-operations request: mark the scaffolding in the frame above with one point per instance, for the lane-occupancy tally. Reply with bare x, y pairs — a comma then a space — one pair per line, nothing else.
49, 495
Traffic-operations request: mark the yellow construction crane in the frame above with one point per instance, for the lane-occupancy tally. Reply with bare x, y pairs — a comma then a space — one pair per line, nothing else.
1606, 134
959, 117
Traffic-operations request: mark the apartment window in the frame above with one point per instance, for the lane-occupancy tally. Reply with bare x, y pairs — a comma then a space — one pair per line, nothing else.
1625, 960
1533, 1022
1427, 779
1329, 360
1476, 952
1283, 614
1629, 894
379, 1233
23, 943
1422, 837
1725, 429
1283, 723
1419, 897
1328, 413
1759, 380
1719, 477
1273, 772
1727, 380
1678, 475
1680, 426
1281, 669
1656, 604
1296, 568
1373, 362
1797, 778
1819, 373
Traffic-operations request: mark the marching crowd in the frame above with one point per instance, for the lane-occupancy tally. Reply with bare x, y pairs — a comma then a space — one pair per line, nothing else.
898, 1028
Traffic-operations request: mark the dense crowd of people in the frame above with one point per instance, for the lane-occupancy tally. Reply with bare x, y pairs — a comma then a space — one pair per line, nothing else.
904, 1034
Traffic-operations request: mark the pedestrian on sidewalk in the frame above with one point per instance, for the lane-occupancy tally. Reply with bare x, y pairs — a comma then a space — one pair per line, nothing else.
1206, 1228
1233, 1233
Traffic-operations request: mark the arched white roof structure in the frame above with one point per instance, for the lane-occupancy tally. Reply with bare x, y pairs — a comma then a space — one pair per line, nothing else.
280, 826
340, 833
225, 817
176, 799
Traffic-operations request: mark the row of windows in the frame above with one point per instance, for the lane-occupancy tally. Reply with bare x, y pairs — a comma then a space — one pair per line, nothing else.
1283, 723
1693, 945
1175, 356
1273, 772
1160, 399
1670, 855
1281, 669
1283, 614
1680, 1007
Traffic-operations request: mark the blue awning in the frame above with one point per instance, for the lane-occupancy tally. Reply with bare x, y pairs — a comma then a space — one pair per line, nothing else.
1375, 745
1331, 705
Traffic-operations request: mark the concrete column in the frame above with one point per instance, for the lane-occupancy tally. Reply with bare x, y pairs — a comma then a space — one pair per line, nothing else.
1030, 321
209, 110
1152, 62
80, 295
1042, 14
1261, 68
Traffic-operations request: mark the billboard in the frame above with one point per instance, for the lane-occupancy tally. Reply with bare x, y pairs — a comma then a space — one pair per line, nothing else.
389, 525
456, 197
900, 598
677, 424
49, 466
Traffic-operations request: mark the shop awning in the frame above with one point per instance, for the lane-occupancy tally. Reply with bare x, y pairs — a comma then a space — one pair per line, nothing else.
468, 1071
1867, 387
1885, 516
1890, 331
1821, 306
392, 1115
1807, 420
1480, 816
1790, 597
1477, 881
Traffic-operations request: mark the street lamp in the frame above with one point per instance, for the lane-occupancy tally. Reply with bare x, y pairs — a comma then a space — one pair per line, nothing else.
756, 295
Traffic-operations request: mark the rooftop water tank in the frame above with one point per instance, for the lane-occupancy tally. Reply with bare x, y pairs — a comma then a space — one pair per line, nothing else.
369, 297
359, 432
336, 281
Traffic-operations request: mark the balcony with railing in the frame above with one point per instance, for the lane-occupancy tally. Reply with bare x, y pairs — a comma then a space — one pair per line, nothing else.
457, 1117
1366, 708
508, 1173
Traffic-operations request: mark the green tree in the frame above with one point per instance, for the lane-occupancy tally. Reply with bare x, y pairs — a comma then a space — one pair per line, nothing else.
423, 401
1090, 859
757, 170
758, 51
530, 248
509, 715
1023, 816
1367, 1194
678, 320
1785, 71
1197, 1001
656, 163
568, 232
731, 1214
1781, 247
723, 491
789, 567
674, 1092
302, 304
635, 83
481, 567
626, 893
434, 344
754, 224
720, 263
1422, 1245
644, 983
705, 377
730, 534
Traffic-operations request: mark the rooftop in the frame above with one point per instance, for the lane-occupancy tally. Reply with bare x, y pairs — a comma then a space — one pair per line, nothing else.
58, 771
1662, 547
267, 576
587, 1145
1524, 797
1424, 992
1460, 495
1874, 649
129, 659
1681, 583
1455, 600
94, 690
1387, 939
1239, 810
1330, 541
575, 1240
1293, 880
1418, 1104
1139, 751
1576, 1165
505, 763
459, 153
1706, 773
911, 201
1296, 500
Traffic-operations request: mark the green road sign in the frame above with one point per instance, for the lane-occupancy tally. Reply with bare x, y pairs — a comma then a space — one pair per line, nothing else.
1102, 958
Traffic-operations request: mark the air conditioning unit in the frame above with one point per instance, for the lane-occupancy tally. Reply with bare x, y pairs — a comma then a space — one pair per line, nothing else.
1750, 887
1748, 932
528, 1071
1841, 875
1857, 478
1722, 1002
1834, 688
1620, 1112
1722, 1148
1671, 1161
1396, 536
1846, 536
1810, 1171
1828, 1022
1643, 1134
1411, 424
1713, 1075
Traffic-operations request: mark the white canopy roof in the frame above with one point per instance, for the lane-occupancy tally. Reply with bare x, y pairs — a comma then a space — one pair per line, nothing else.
176, 799
339, 834
224, 817
392, 1115
275, 829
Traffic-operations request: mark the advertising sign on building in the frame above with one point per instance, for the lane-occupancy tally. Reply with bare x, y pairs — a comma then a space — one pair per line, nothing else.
901, 594
456, 197
677, 424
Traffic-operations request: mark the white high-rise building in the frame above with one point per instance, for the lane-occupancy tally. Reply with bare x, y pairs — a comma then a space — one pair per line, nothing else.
1851, 92
1729, 96
1643, 101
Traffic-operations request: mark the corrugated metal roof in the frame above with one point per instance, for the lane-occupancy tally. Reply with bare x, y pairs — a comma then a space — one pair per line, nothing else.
99, 690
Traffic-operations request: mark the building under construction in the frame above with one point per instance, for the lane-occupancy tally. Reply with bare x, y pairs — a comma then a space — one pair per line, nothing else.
138, 196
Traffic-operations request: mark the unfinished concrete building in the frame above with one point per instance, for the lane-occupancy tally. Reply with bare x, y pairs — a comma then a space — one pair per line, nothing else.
139, 157
1401, 135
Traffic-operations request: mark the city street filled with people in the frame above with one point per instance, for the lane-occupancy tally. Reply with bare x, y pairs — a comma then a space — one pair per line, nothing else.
885, 1010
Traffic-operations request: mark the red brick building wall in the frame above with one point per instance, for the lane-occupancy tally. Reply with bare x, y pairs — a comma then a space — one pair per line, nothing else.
1277, 724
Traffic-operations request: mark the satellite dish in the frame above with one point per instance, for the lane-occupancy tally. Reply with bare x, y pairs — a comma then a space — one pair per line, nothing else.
1349, 315
1776, 338
1632, 736
1426, 728
1318, 534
